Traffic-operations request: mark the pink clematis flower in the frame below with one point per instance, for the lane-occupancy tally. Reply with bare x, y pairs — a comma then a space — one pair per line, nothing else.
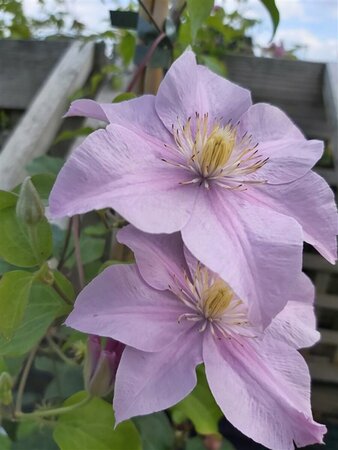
173, 314
235, 179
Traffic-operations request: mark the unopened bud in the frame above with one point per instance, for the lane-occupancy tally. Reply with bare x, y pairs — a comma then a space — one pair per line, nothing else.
29, 208
6, 384
101, 365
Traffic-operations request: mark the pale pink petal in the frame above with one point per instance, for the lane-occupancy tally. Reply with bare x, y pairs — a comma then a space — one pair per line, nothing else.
159, 257
290, 155
296, 323
149, 382
311, 202
263, 389
120, 305
256, 250
137, 114
117, 169
188, 89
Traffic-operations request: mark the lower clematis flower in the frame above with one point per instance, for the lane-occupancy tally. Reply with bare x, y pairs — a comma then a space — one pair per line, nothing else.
173, 314
235, 179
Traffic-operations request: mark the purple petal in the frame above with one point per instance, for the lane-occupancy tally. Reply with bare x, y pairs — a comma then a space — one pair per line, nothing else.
149, 382
138, 114
290, 155
296, 323
159, 257
120, 305
188, 88
263, 389
311, 202
254, 249
118, 169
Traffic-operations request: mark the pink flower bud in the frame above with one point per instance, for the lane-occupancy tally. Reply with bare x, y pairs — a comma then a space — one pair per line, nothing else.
101, 365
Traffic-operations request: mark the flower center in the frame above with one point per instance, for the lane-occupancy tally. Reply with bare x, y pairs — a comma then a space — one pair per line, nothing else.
215, 154
217, 299
213, 303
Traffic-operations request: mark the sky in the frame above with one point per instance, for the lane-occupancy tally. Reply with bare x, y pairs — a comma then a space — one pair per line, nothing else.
313, 24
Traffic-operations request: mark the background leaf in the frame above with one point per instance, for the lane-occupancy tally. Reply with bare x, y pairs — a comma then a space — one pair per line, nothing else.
199, 11
156, 431
200, 407
270, 5
91, 427
44, 305
15, 245
14, 293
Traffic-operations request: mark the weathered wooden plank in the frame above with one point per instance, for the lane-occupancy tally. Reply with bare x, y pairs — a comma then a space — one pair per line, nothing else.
322, 369
24, 65
324, 399
330, 93
327, 301
273, 78
36, 131
317, 262
329, 337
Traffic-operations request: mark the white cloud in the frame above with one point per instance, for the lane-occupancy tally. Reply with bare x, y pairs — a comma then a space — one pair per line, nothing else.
315, 48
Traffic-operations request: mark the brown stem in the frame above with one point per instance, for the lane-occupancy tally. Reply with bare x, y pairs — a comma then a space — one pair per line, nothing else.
145, 61
23, 379
76, 236
65, 245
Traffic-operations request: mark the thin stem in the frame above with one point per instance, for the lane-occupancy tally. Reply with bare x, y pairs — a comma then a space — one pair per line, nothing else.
54, 411
59, 352
61, 294
23, 379
148, 13
76, 236
65, 245
145, 61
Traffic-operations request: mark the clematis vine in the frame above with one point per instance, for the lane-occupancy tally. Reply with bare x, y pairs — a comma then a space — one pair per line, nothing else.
173, 313
234, 178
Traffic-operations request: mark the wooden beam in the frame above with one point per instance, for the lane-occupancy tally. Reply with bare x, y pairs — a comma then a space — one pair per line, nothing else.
36, 131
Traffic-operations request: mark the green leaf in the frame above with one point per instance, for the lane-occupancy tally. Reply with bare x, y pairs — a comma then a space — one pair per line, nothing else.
43, 307
43, 183
92, 427
124, 96
156, 431
270, 5
30, 435
126, 47
196, 443
44, 164
7, 199
66, 135
14, 293
65, 286
214, 64
67, 379
200, 407
199, 11
5, 442
17, 246
91, 250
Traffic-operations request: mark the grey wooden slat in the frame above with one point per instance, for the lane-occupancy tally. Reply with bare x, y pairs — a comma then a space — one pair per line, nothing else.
35, 133
24, 65
329, 336
327, 301
316, 262
322, 369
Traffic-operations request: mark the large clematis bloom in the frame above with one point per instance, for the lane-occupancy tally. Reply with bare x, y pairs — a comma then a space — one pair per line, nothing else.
173, 314
235, 179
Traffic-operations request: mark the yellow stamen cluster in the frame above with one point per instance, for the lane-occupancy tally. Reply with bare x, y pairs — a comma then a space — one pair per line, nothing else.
217, 149
215, 153
217, 299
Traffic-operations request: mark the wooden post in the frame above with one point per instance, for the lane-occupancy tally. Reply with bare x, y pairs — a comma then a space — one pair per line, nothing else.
153, 76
